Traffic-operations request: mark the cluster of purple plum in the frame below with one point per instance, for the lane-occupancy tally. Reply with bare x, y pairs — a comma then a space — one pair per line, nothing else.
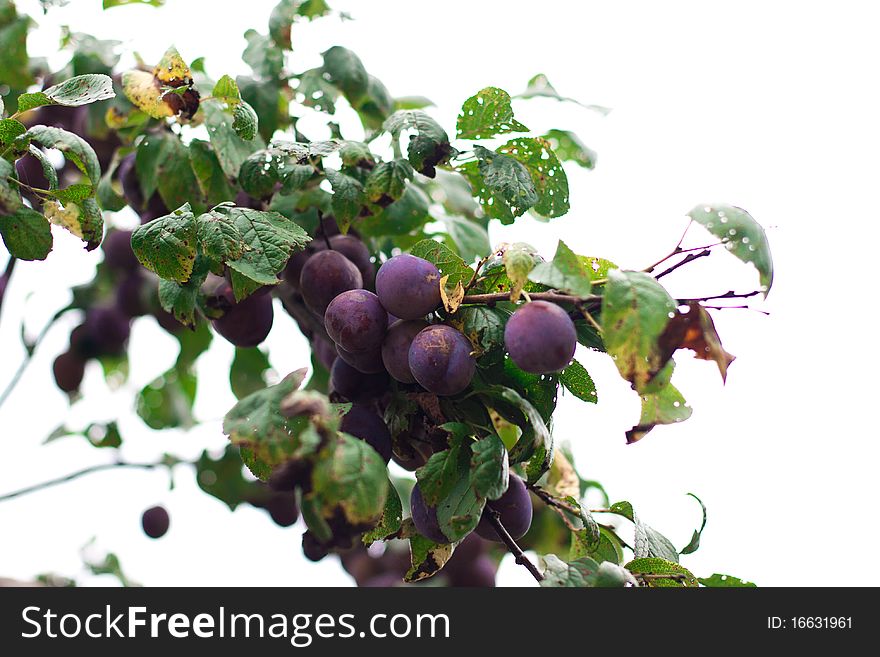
107, 325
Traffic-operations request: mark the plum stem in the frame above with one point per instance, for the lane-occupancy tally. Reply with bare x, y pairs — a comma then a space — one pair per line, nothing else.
80, 473
690, 258
495, 519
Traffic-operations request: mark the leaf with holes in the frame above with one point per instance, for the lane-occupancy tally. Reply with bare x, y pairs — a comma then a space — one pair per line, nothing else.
724, 581
519, 261
743, 236
486, 114
548, 176
578, 382
504, 185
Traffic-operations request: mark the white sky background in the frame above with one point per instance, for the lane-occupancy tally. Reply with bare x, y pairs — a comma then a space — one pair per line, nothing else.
769, 106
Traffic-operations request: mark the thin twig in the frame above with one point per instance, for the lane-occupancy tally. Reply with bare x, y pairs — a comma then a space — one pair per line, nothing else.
495, 518
690, 258
535, 296
727, 295
763, 312
476, 273
4, 279
551, 500
29, 355
590, 319
76, 475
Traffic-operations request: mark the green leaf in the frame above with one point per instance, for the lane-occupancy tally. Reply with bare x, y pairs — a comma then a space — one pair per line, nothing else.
412, 102
247, 374
14, 64
316, 92
391, 520
256, 423
74, 193
648, 541
580, 572
226, 90
230, 148
211, 179
578, 382
10, 198
519, 260
743, 236
569, 148
346, 72
109, 4
26, 234
77, 91
489, 467
167, 245
446, 260
222, 478
262, 55
10, 130
486, 114
245, 121
402, 217
376, 105
503, 184
459, 512
219, 237
548, 176
348, 197
484, 327
470, 238
387, 181
536, 444
270, 238
179, 299
663, 406
681, 576
566, 272
441, 472
74, 148
356, 154
416, 120
694, 543
427, 557
48, 168
539, 87
724, 581
351, 475
635, 311
167, 401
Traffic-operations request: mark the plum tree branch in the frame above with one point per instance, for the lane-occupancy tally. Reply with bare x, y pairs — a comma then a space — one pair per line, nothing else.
550, 500
80, 473
495, 519
727, 295
690, 258
555, 297
30, 350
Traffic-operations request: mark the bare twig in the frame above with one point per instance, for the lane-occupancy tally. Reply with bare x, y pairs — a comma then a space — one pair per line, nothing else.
79, 473
727, 295
30, 350
551, 500
555, 297
690, 258
495, 519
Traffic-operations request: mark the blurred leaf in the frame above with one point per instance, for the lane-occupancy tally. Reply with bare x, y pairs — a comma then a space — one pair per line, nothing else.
346, 71
348, 197
230, 148
539, 87
248, 372
26, 234
724, 581
569, 148
694, 543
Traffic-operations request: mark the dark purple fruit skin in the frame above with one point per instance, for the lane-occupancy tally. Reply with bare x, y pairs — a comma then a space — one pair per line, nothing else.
479, 573
69, 369
425, 517
356, 321
361, 422
131, 186
155, 208
440, 360
368, 362
383, 581
248, 322
30, 171
107, 328
515, 507
293, 269
356, 251
326, 275
395, 348
325, 352
168, 321
282, 509
540, 338
356, 386
408, 287
155, 521
131, 297
313, 550
289, 475
118, 253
